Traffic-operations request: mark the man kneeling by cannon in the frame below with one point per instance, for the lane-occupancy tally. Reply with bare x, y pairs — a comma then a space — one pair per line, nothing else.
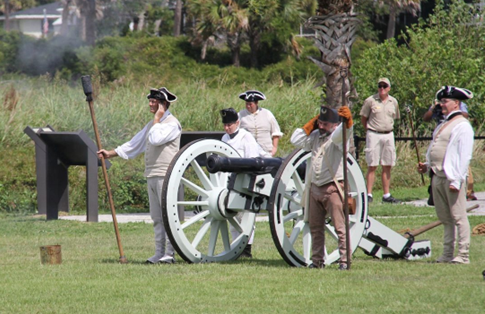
322, 135
246, 145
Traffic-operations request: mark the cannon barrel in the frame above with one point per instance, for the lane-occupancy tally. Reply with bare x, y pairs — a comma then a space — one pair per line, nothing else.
258, 165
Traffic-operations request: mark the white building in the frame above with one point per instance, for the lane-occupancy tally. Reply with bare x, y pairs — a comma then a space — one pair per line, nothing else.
31, 21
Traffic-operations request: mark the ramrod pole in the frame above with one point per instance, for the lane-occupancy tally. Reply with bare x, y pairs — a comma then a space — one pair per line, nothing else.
88, 91
343, 74
432, 225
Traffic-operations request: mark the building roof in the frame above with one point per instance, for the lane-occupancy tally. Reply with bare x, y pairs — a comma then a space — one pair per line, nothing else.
52, 10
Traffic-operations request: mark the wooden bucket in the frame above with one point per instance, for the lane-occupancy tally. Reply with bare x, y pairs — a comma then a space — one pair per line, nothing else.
50, 254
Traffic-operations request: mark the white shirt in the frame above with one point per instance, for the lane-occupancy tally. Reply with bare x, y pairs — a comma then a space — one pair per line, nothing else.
458, 152
157, 134
262, 125
333, 151
245, 144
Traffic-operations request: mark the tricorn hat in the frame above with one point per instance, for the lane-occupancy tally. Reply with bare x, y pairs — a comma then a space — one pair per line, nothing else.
252, 95
162, 94
454, 93
328, 114
229, 115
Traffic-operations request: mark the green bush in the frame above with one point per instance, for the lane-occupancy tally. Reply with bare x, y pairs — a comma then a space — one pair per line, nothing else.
446, 50
9, 45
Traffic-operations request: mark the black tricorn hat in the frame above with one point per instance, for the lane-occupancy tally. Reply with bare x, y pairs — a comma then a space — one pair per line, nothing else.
229, 115
454, 93
162, 94
252, 95
328, 114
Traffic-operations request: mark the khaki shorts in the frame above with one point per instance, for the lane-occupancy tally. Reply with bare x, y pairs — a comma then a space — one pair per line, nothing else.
380, 149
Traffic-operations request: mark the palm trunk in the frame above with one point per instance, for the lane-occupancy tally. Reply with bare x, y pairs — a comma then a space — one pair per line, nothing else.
391, 25
236, 56
177, 21
254, 45
65, 17
234, 43
89, 20
7, 15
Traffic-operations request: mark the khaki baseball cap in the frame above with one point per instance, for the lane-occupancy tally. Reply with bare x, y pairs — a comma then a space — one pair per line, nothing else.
384, 80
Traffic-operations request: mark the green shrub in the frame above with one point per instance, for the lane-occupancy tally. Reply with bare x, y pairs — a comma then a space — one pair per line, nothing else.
9, 45
446, 50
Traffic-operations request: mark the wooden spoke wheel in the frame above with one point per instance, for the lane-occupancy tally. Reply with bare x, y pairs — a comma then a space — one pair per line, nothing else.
205, 236
291, 234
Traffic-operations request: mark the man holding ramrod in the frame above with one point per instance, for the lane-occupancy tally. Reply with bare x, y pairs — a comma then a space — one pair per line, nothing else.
322, 135
160, 141
448, 157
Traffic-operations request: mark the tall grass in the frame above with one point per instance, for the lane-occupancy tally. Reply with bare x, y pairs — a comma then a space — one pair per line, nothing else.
121, 110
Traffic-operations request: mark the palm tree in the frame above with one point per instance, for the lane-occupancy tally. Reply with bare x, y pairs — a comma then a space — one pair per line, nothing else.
260, 14
88, 11
335, 26
65, 16
395, 8
177, 22
220, 17
277, 17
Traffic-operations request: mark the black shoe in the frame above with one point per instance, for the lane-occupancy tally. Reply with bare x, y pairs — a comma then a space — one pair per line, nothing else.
390, 199
369, 199
342, 267
247, 252
321, 266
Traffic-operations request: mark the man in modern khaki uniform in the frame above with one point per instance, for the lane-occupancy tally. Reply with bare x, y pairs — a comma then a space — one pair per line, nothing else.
322, 135
378, 114
448, 156
160, 141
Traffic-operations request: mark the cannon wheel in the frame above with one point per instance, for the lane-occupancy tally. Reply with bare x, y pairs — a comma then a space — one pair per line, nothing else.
291, 234
206, 236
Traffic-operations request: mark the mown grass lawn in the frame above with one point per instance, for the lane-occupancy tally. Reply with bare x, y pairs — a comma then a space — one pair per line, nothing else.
90, 279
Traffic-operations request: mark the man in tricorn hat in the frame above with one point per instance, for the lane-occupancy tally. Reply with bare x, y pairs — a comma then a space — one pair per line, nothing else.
245, 144
160, 141
448, 157
434, 113
260, 122
322, 135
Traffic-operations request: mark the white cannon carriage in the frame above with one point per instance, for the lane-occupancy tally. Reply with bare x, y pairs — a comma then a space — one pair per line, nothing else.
234, 195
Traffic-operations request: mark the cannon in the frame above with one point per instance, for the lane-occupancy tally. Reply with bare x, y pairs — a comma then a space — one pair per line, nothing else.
223, 189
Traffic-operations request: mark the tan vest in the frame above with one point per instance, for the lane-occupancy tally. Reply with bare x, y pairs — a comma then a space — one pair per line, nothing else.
157, 158
322, 158
439, 144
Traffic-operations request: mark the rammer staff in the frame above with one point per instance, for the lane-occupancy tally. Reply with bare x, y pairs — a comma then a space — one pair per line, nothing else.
408, 109
88, 91
343, 73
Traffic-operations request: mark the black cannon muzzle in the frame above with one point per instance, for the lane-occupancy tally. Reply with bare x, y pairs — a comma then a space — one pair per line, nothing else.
258, 165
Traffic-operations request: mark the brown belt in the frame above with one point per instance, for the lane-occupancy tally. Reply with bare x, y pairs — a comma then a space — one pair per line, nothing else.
380, 132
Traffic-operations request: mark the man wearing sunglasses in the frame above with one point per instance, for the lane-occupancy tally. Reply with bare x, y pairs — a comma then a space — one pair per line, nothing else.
448, 157
377, 115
